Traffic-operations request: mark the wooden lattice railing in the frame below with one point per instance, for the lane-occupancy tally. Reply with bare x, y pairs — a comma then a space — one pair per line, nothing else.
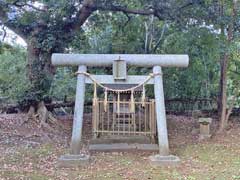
124, 122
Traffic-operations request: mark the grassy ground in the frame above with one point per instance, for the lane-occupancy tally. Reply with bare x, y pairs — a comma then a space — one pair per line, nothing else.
217, 158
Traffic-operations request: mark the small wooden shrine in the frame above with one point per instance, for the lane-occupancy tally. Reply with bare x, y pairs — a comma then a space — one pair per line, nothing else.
124, 113
124, 109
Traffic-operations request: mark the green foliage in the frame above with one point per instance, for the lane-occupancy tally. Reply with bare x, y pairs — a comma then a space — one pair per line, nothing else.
194, 30
200, 79
233, 82
64, 84
13, 80
115, 33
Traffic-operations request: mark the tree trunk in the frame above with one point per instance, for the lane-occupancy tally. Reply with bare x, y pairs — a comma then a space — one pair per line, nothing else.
40, 74
223, 92
224, 65
39, 71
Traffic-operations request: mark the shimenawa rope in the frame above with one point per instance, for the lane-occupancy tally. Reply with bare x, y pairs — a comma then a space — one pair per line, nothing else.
118, 91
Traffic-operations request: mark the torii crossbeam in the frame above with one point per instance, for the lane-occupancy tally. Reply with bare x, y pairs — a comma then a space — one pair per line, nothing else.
105, 60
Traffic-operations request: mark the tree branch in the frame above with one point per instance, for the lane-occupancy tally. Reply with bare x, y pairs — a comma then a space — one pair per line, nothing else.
128, 19
160, 38
21, 4
152, 10
89, 6
4, 33
5, 21
85, 11
231, 106
123, 9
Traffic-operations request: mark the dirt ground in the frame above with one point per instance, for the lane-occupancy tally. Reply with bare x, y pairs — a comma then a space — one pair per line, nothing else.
28, 152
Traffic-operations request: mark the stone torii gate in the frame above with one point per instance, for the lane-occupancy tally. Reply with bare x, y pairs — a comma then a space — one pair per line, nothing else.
105, 60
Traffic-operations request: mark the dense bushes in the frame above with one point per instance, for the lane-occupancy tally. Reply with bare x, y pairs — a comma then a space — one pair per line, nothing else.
13, 80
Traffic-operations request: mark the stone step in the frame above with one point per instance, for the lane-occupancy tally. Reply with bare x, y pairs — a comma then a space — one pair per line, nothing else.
122, 147
139, 139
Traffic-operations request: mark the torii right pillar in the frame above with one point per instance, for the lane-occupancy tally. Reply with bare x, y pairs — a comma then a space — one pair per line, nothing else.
163, 158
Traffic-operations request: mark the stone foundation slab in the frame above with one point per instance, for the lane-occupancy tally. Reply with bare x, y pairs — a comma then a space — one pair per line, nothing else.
71, 161
159, 160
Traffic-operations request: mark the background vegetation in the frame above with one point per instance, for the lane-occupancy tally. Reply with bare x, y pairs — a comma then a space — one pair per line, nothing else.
206, 30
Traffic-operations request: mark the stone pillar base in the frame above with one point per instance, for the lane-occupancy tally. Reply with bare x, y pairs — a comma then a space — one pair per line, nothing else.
204, 136
159, 160
70, 160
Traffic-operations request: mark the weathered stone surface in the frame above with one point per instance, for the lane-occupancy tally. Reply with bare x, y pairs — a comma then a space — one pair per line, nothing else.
78, 112
139, 60
109, 79
122, 139
204, 136
70, 160
205, 120
123, 147
158, 160
160, 112
204, 128
119, 69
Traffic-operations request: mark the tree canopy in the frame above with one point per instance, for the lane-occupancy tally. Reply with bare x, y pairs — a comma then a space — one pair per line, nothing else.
207, 30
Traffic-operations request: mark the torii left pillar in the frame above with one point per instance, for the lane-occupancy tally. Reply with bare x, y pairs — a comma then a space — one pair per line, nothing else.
75, 158
78, 112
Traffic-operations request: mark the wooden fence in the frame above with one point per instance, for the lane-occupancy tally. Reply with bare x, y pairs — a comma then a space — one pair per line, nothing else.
111, 121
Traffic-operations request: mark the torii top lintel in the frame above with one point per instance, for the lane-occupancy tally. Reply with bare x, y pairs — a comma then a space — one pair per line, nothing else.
139, 60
